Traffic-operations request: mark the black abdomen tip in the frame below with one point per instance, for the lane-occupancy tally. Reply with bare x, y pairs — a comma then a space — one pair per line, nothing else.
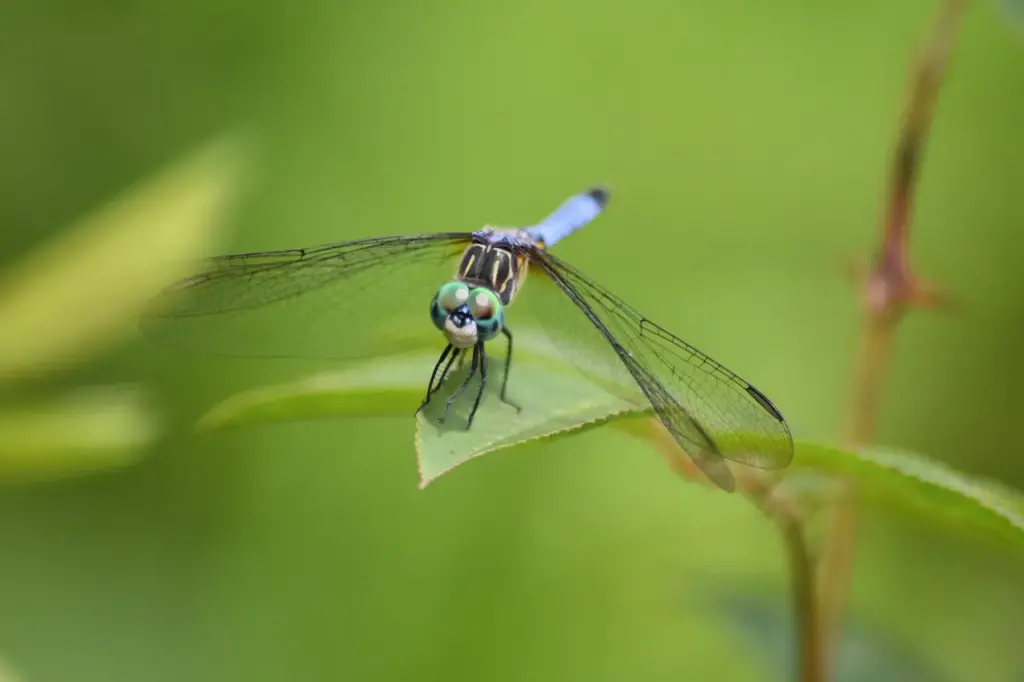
600, 195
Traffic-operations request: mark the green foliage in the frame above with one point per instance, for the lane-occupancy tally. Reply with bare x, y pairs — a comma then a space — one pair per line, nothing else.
926, 487
6, 674
80, 293
555, 399
558, 401
75, 433
747, 145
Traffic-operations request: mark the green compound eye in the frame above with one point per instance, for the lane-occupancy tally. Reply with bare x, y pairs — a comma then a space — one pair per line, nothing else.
486, 308
452, 295
484, 304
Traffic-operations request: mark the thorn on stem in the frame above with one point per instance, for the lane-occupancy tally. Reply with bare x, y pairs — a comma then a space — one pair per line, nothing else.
888, 290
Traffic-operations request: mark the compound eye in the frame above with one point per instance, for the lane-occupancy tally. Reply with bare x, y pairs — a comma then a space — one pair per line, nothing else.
484, 304
452, 295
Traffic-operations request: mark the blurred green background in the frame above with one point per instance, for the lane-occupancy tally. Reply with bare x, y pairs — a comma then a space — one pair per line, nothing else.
746, 145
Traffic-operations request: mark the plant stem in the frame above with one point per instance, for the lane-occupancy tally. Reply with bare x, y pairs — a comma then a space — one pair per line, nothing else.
810, 654
873, 357
889, 291
761, 489
810, 647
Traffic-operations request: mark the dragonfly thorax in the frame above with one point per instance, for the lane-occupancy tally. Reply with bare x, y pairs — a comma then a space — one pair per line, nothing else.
492, 261
466, 314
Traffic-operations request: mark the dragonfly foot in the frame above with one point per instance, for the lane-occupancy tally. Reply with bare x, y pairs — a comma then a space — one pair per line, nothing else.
517, 406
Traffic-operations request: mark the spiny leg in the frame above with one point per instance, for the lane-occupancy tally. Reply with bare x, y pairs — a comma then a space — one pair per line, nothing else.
483, 381
437, 365
447, 369
472, 370
431, 389
508, 368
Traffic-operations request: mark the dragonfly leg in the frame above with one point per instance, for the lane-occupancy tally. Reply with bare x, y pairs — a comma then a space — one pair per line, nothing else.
483, 383
508, 368
448, 367
431, 388
472, 371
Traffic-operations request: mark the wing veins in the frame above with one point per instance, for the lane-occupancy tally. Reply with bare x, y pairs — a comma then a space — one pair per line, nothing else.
237, 274
660, 398
655, 344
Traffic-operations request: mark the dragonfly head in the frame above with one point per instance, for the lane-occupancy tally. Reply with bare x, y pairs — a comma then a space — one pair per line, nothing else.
466, 314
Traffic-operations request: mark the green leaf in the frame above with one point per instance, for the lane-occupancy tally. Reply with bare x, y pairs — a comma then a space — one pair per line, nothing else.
558, 400
922, 486
555, 398
85, 288
895, 479
84, 431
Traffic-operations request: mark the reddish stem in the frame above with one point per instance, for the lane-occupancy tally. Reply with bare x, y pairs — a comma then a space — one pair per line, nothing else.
888, 292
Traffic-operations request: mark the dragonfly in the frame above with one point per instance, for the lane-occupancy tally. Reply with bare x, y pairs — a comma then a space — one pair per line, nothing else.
370, 289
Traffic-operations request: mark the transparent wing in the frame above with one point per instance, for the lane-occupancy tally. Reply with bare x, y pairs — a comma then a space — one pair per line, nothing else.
337, 301
710, 411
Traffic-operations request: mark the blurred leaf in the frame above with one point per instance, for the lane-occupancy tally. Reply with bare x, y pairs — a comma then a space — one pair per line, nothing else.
554, 396
81, 290
387, 388
865, 654
925, 487
84, 431
7, 675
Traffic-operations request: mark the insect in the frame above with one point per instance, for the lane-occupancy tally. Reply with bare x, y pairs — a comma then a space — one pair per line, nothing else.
275, 303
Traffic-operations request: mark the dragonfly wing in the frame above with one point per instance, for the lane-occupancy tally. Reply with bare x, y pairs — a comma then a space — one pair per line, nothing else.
337, 301
710, 411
